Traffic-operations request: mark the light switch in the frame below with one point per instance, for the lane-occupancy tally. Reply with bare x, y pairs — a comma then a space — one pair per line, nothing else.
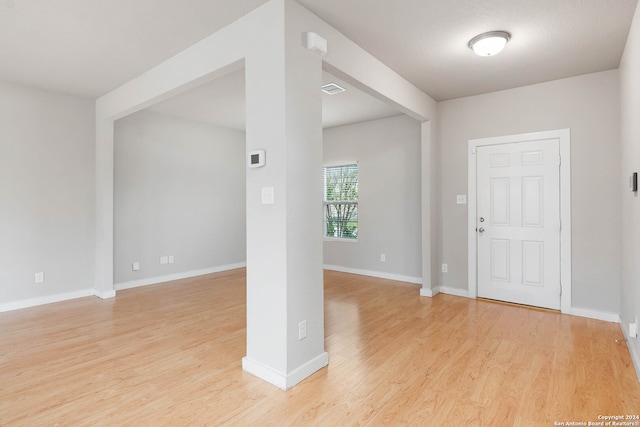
267, 196
461, 199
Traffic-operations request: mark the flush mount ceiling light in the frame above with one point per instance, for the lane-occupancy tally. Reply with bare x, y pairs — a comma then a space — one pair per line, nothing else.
332, 89
488, 44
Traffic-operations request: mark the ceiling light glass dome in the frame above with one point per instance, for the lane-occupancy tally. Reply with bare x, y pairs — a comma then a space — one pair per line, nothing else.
488, 44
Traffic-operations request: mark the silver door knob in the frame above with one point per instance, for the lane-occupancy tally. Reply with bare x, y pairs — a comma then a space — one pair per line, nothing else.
481, 230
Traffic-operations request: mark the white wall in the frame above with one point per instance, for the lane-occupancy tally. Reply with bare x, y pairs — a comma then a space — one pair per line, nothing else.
589, 106
179, 190
47, 214
630, 136
388, 155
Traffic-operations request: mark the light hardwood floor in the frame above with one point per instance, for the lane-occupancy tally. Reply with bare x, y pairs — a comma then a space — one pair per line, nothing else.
170, 354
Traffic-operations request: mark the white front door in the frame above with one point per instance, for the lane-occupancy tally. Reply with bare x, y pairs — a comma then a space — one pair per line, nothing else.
518, 222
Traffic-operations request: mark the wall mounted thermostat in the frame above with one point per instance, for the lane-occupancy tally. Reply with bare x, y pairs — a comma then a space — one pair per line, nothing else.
256, 159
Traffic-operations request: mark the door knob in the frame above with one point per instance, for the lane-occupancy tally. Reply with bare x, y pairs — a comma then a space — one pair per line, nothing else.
481, 219
481, 230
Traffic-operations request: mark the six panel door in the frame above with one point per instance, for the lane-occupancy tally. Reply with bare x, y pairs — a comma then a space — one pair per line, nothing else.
518, 224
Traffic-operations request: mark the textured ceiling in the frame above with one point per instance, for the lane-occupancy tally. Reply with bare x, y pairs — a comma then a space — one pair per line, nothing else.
90, 47
425, 41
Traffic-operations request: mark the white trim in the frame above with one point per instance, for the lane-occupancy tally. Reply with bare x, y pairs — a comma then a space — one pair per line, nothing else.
325, 203
336, 163
454, 291
564, 136
635, 357
339, 239
105, 294
590, 313
379, 274
281, 380
265, 373
302, 372
426, 292
177, 276
565, 219
48, 299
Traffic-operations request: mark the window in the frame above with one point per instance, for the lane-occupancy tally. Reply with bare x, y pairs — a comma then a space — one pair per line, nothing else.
341, 201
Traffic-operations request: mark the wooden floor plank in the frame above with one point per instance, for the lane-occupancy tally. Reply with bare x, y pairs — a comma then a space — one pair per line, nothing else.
170, 354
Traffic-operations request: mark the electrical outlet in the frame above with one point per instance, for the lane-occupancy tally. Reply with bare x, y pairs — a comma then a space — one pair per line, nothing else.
445, 268
171, 259
135, 266
383, 257
302, 330
39, 277
164, 260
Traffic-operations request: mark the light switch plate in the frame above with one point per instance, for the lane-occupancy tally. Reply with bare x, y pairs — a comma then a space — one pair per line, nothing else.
267, 196
461, 199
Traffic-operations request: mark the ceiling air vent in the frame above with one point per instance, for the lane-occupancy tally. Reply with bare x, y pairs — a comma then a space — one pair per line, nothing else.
332, 89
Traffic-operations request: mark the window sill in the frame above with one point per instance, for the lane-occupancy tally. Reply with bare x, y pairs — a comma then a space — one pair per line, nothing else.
340, 239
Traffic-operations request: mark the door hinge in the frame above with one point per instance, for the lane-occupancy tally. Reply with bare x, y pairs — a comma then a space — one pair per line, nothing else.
560, 289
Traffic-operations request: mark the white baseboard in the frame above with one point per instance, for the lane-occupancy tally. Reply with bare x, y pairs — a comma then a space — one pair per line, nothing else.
575, 311
445, 290
426, 292
454, 291
105, 294
313, 365
379, 274
281, 380
48, 299
595, 314
177, 276
635, 357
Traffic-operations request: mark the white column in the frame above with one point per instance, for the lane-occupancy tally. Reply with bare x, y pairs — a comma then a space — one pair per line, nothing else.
103, 281
429, 210
284, 238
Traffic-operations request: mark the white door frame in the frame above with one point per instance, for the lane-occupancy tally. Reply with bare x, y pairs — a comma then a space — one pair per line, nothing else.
564, 136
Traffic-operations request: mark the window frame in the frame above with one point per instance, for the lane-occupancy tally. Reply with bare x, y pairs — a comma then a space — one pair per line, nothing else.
337, 164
